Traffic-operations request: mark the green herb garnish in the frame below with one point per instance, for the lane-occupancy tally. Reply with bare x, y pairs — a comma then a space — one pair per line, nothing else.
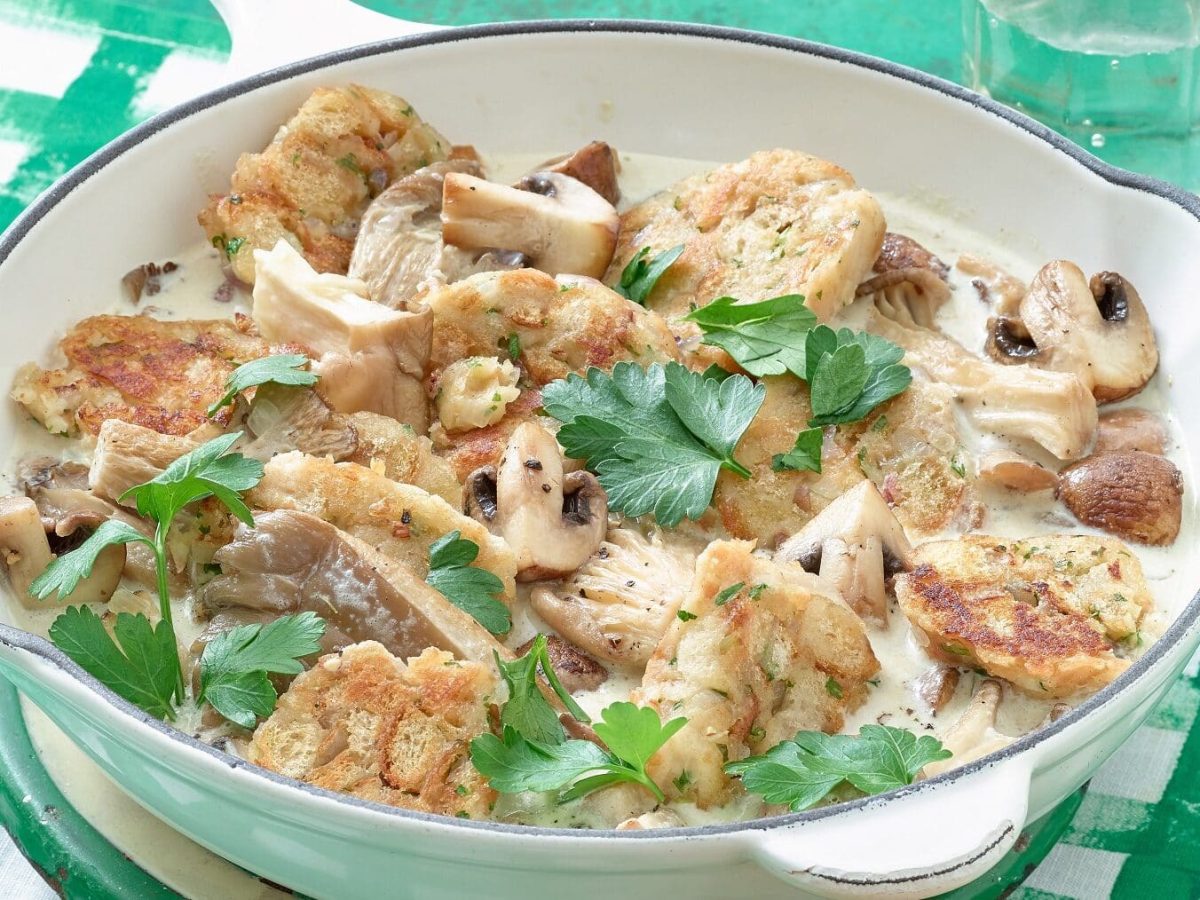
470, 588
643, 271
805, 455
283, 368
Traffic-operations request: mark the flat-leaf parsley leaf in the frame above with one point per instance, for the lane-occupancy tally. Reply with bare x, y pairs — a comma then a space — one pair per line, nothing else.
765, 338
283, 368
640, 276
471, 589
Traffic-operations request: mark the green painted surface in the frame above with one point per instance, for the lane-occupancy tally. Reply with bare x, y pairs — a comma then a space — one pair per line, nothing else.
1148, 844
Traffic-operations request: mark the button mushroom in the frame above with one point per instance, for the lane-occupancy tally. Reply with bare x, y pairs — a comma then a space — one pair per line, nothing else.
25, 551
1130, 429
1098, 330
854, 544
1137, 496
575, 669
561, 224
594, 164
552, 522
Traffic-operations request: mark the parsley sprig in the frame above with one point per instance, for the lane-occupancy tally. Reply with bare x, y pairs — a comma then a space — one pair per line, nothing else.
802, 771
135, 668
804, 455
283, 368
235, 664
527, 710
639, 277
633, 734
470, 588
848, 372
657, 437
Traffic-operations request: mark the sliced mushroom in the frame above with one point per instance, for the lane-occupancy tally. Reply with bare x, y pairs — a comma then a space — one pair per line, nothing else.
368, 357
575, 669
663, 817
283, 418
127, 455
1053, 409
899, 252
25, 551
561, 224
552, 522
1134, 495
594, 164
1008, 469
1097, 330
854, 545
974, 734
936, 686
475, 392
618, 604
1130, 429
293, 562
399, 251
995, 286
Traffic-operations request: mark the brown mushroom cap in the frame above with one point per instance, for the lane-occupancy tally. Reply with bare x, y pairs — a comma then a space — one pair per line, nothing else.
1130, 429
594, 164
1004, 468
1134, 495
575, 669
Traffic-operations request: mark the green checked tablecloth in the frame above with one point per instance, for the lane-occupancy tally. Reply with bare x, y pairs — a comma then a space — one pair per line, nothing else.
76, 73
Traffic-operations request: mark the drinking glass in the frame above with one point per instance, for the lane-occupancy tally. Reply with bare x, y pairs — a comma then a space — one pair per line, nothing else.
1119, 77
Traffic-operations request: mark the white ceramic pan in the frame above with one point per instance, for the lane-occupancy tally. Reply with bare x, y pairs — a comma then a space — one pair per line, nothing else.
700, 92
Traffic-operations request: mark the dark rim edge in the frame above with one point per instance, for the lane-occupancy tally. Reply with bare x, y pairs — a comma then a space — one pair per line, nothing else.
38, 646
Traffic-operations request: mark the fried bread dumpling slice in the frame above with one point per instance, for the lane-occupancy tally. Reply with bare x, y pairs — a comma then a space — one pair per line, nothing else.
364, 723
292, 562
399, 520
159, 374
757, 652
549, 327
367, 357
311, 184
779, 222
1044, 613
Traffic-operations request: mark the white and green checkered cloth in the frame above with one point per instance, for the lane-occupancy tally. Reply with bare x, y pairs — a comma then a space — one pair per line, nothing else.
76, 73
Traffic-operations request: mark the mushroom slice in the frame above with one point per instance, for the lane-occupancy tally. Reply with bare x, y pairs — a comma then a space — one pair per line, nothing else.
1130, 429
936, 686
283, 418
594, 164
127, 455
1098, 330
995, 286
368, 357
1044, 613
553, 522
561, 224
1053, 409
854, 544
399, 251
618, 604
475, 392
663, 817
974, 734
293, 562
575, 669
1007, 469
901, 253
1134, 495
25, 551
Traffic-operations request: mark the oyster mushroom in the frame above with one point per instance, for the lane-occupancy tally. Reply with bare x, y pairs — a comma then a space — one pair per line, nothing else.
1098, 330
618, 604
1134, 495
974, 734
1007, 469
284, 418
594, 164
25, 550
854, 544
936, 686
553, 522
127, 455
910, 278
399, 251
1130, 429
561, 224
996, 287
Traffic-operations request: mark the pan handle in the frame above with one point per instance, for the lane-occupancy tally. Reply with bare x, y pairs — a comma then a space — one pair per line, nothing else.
918, 845
268, 33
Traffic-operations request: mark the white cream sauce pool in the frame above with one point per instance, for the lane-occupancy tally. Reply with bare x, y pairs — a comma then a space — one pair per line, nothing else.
191, 291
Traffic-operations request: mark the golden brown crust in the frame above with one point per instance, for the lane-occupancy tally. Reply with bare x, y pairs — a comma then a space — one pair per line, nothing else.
363, 723
343, 146
159, 374
752, 670
1043, 613
779, 222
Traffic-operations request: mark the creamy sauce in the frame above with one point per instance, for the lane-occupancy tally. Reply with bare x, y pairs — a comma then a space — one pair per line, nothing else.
190, 293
